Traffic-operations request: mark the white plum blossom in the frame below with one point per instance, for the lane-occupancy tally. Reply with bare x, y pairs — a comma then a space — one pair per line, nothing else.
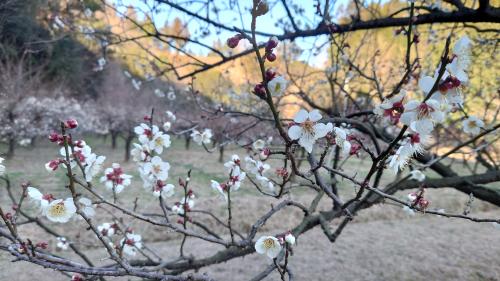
290, 239
159, 141
259, 144
106, 229
202, 138
277, 85
156, 168
307, 130
268, 245
186, 202
391, 108
461, 59
86, 207
145, 133
166, 126
472, 125
171, 115
399, 160
256, 167
233, 163
114, 178
131, 243
341, 140
140, 153
417, 175
221, 188
93, 166
61, 210
163, 190
421, 116
41, 200
62, 243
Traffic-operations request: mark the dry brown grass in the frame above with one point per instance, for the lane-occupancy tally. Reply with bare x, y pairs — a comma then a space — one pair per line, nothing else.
382, 243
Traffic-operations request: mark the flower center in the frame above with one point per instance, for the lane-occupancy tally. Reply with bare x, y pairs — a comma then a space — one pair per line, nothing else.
268, 243
473, 124
308, 126
157, 168
57, 210
424, 111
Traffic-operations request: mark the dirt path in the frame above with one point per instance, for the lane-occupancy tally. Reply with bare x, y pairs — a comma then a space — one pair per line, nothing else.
427, 248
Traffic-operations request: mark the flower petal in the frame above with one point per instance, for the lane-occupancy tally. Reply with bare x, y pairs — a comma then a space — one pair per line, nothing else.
301, 116
295, 132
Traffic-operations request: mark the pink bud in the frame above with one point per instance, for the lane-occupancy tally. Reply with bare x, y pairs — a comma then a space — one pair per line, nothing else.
264, 154
54, 137
71, 124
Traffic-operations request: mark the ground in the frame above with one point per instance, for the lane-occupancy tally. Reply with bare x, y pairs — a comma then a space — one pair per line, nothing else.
382, 243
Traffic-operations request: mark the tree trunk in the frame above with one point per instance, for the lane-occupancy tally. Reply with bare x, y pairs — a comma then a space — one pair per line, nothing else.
128, 144
114, 137
12, 147
188, 142
221, 154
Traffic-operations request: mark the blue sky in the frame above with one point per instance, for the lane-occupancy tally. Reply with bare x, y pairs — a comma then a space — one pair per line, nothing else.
232, 17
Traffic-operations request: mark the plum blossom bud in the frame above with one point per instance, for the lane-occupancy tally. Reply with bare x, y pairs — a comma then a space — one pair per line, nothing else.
260, 91
71, 124
233, 42
272, 43
282, 172
54, 137
52, 165
270, 74
264, 154
271, 57
42, 245
290, 239
8, 216
147, 118
77, 277
261, 9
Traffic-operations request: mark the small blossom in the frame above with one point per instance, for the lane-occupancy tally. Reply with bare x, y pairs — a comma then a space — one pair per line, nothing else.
61, 210
341, 140
86, 207
62, 243
145, 133
259, 144
472, 125
157, 168
163, 190
106, 229
114, 178
307, 130
131, 243
268, 245
277, 85
202, 138
36, 196
171, 115
159, 141
166, 126
421, 116
391, 108
290, 239
417, 175
93, 166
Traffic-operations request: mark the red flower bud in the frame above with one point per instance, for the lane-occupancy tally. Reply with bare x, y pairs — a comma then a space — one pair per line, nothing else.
71, 124
271, 57
270, 74
260, 91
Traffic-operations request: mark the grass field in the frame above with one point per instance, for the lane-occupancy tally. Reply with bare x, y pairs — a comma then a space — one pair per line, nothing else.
382, 243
